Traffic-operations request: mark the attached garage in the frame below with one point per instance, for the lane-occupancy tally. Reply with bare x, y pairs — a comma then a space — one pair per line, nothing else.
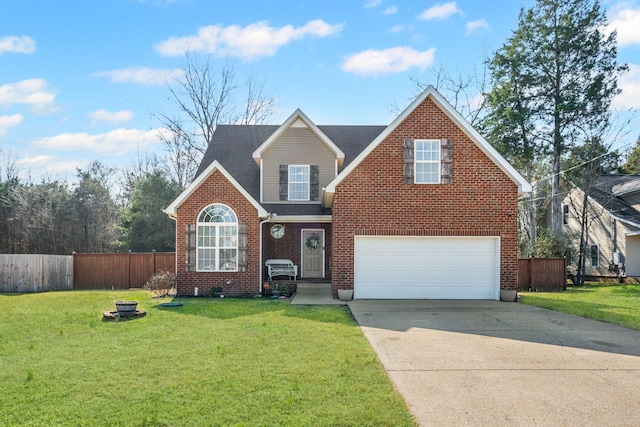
409, 267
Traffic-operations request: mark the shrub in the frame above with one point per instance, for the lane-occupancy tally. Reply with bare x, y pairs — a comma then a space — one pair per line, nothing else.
161, 284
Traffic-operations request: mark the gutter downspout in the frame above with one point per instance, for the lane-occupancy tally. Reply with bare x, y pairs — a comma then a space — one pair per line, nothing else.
174, 217
269, 216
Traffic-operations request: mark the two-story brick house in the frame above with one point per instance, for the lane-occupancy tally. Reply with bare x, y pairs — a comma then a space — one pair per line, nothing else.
421, 208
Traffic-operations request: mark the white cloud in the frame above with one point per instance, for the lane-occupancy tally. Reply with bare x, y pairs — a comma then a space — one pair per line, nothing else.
117, 142
7, 122
390, 10
33, 93
65, 167
397, 28
394, 60
140, 75
372, 3
630, 85
51, 166
440, 11
626, 21
113, 117
476, 26
15, 44
248, 42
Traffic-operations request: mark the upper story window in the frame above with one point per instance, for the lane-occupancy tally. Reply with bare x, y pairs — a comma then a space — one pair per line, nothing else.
427, 161
299, 182
217, 239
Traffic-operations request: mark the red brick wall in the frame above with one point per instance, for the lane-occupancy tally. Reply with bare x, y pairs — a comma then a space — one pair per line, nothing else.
373, 200
217, 189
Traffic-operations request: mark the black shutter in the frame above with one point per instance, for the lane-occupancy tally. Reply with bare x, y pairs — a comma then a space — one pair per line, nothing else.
446, 162
190, 253
314, 172
408, 161
284, 182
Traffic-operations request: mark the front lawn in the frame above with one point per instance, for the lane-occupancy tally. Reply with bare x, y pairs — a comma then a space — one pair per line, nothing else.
618, 304
226, 362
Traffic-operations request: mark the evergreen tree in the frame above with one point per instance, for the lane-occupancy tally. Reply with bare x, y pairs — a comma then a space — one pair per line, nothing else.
145, 226
553, 82
632, 165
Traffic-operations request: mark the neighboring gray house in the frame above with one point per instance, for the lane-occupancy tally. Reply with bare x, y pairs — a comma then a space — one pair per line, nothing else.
613, 239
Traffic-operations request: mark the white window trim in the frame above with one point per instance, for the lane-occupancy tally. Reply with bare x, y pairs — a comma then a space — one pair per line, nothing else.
416, 161
289, 183
217, 249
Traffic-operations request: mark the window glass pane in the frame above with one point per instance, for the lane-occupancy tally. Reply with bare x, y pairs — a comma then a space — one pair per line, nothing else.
594, 255
228, 259
217, 239
427, 173
206, 259
299, 182
228, 236
298, 191
427, 162
206, 236
217, 213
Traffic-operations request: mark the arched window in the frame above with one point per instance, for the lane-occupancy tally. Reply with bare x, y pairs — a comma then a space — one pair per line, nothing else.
217, 237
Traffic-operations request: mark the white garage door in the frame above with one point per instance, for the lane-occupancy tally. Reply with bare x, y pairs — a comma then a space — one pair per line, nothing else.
392, 267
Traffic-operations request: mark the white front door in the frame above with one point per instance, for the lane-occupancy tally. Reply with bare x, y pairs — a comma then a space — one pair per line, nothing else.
312, 253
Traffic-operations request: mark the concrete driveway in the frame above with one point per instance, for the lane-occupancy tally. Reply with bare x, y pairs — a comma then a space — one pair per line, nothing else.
493, 363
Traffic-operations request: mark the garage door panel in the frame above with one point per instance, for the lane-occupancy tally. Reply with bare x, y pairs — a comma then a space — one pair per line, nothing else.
426, 267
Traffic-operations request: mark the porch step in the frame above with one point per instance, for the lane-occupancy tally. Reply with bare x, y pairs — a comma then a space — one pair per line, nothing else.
315, 294
307, 286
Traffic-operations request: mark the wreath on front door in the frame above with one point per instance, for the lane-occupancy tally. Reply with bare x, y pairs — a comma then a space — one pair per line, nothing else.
313, 241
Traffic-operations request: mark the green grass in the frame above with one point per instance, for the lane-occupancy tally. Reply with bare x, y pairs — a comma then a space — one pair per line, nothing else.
227, 362
618, 304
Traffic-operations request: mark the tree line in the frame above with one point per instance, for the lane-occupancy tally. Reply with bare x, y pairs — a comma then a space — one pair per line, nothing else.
103, 210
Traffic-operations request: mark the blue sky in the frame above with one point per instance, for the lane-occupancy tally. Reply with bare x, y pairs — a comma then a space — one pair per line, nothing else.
83, 79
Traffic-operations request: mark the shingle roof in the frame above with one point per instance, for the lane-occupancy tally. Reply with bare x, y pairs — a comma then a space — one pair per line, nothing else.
232, 146
606, 188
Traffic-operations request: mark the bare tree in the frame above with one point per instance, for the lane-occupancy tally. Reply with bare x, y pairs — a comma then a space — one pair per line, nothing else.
465, 92
203, 95
180, 161
206, 96
259, 103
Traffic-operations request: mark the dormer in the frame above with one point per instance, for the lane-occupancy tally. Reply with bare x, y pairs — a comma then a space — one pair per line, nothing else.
296, 162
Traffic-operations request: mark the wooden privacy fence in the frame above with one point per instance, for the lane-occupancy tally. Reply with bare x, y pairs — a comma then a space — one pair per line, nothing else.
35, 273
119, 270
542, 274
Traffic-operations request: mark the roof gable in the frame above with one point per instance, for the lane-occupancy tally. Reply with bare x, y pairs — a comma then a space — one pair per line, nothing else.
172, 209
298, 120
472, 134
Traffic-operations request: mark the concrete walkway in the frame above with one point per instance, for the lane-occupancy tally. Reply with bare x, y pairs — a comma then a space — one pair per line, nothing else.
491, 363
315, 294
